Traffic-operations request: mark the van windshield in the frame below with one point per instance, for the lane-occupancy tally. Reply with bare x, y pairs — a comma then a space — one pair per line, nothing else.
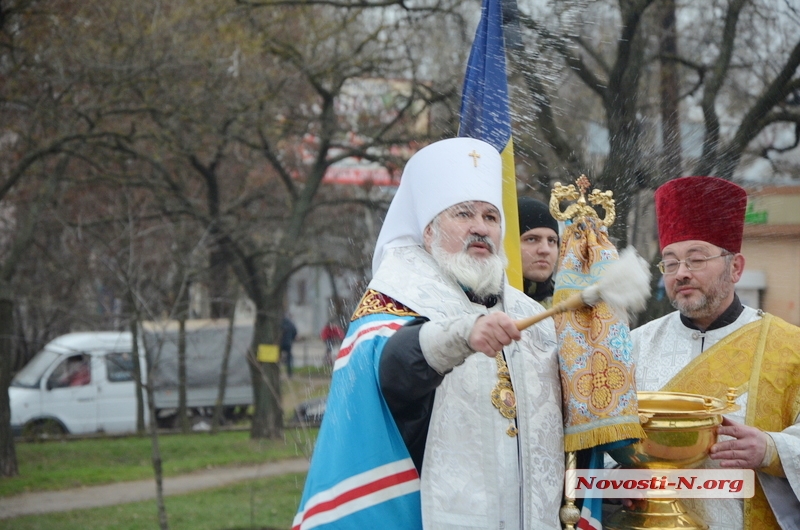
31, 374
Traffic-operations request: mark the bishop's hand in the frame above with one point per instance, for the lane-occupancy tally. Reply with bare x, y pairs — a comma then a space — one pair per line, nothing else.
491, 332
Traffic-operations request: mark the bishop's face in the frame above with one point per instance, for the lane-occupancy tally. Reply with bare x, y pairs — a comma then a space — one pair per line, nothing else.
465, 240
471, 227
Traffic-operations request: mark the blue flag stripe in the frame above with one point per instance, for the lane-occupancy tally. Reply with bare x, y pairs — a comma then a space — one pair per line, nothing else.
485, 111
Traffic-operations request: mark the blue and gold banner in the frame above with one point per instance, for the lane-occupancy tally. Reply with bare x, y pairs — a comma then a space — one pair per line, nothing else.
595, 348
485, 115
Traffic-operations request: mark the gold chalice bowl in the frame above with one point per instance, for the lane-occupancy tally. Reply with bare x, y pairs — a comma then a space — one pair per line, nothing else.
680, 429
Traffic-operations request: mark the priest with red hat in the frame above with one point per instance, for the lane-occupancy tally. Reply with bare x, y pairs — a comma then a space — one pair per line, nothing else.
713, 342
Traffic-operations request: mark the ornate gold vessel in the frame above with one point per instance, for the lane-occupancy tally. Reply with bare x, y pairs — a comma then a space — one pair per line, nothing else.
680, 429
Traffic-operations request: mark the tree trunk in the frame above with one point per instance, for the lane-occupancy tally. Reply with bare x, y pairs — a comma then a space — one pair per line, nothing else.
223, 373
623, 166
8, 455
620, 175
218, 283
183, 415
137, 377
24, 237
670, 113
268, 416
155, 449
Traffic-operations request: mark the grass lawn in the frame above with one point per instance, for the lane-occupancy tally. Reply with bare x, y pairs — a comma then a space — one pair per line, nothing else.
260, 504
74, 463
63, 464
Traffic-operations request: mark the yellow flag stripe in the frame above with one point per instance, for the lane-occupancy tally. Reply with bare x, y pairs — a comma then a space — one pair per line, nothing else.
511, 239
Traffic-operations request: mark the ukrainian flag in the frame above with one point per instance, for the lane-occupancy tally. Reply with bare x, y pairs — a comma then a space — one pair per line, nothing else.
485, 115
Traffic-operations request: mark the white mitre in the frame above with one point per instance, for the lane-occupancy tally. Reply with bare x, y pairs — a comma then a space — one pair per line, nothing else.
437, 177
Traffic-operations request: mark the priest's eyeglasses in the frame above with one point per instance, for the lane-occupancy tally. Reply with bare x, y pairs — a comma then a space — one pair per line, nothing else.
693, 263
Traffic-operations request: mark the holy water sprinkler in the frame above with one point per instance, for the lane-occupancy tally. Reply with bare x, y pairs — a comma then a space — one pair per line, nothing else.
625, 286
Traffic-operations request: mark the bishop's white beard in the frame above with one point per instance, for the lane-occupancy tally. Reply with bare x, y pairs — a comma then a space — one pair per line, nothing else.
482, 276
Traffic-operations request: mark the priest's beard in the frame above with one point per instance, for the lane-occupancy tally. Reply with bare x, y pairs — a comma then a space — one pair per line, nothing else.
708, 303
482, 276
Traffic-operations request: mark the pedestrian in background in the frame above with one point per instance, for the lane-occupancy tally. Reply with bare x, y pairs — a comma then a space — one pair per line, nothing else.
332, 335
288, 334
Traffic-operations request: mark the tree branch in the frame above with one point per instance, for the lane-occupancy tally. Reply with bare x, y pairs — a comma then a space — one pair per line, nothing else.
575, 62
708, 159
355, 4
751, 125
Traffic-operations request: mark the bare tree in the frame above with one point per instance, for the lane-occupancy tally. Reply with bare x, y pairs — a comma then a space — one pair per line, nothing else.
47, 126
606, 50
245, 151
670, 92
125, 236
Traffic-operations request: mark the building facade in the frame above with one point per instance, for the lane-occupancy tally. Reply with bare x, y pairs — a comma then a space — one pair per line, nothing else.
771, 248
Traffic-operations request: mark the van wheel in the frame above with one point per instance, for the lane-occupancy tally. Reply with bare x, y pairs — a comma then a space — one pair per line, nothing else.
43, 430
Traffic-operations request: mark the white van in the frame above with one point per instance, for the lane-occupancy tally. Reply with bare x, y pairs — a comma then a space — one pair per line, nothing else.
79, 383
83, 382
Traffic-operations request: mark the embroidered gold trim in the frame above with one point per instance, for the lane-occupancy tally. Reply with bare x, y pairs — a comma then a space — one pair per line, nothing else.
374, 302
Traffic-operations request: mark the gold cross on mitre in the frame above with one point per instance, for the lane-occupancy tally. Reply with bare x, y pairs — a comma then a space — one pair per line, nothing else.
475, 156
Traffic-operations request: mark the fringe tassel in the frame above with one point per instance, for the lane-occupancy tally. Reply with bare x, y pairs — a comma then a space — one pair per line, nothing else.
602, 435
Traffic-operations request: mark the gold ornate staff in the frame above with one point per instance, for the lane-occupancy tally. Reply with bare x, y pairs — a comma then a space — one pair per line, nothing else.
580, 208
569, 512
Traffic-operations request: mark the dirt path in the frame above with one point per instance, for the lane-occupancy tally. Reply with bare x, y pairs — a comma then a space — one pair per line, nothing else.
140, 490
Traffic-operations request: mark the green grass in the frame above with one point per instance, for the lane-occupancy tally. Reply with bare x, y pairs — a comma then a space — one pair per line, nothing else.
76, 463
312, 371
259, 504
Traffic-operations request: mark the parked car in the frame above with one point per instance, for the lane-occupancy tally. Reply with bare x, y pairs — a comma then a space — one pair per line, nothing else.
309, 413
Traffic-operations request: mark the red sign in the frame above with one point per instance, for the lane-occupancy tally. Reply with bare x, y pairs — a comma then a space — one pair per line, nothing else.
351, 172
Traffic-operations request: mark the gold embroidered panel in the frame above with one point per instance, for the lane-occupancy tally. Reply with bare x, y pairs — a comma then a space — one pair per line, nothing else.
374, 302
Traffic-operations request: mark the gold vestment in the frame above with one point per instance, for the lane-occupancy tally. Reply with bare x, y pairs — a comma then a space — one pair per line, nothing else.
763, 359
